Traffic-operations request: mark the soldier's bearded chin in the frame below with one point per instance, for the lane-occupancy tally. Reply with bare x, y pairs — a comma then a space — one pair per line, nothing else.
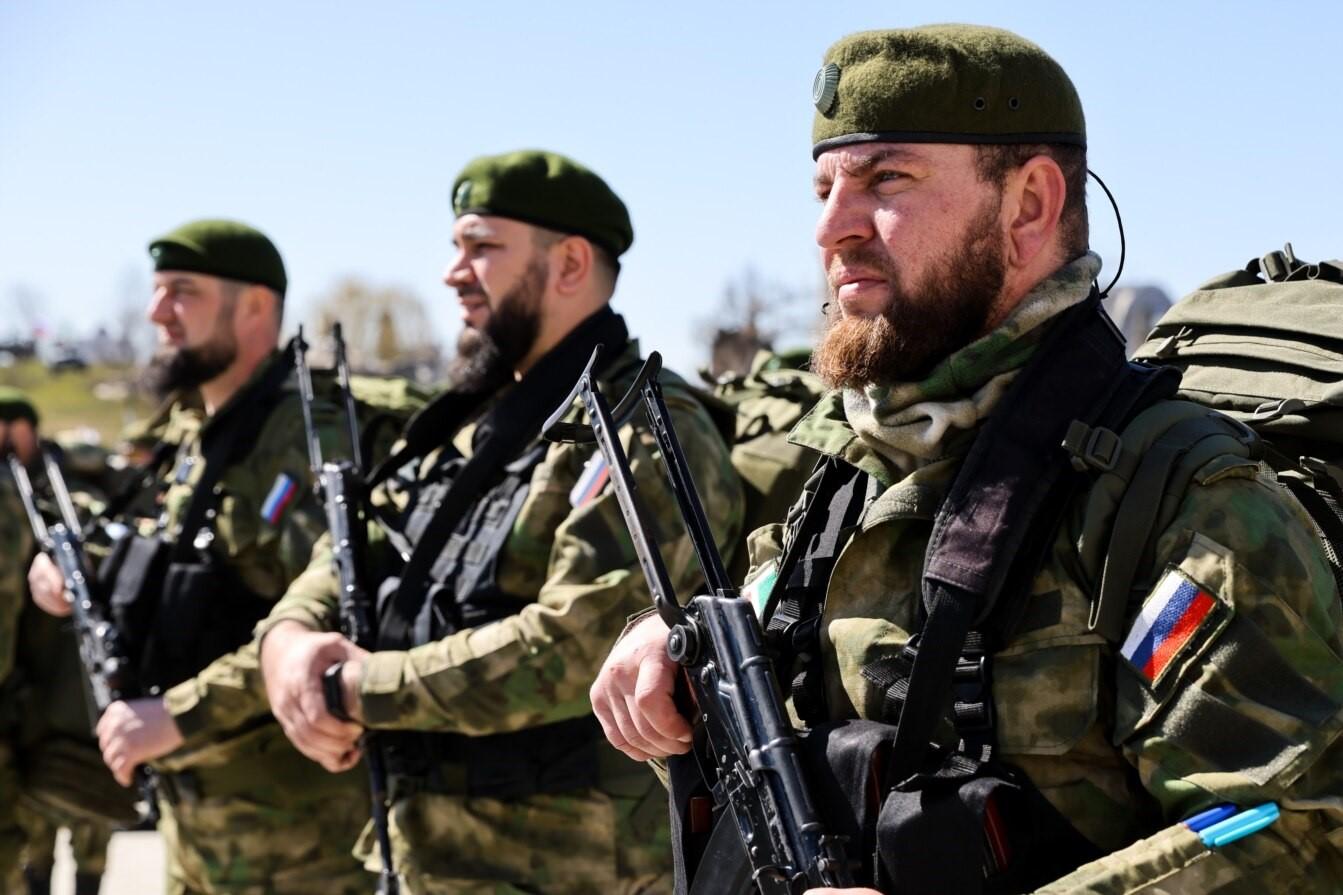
920, 326
486, 357
180, 369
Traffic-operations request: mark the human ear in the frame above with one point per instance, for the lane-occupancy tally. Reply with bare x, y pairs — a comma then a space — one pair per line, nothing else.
573, 266
1035, 195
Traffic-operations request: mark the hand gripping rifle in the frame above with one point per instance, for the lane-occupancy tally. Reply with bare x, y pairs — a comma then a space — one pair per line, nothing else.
109, 674
343, 492
717, 641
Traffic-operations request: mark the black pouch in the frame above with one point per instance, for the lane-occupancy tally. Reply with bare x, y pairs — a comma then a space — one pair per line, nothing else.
963, 827
203, 613
132, 576
971, 827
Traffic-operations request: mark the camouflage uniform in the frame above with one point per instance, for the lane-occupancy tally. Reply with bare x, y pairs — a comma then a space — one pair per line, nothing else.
65, 783
16, 545
1249, 710
243, 811
577, 565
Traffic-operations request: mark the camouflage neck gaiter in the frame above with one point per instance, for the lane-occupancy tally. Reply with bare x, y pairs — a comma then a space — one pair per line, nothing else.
912, 424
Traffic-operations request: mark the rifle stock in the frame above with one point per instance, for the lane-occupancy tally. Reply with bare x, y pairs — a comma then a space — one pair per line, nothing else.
718, 641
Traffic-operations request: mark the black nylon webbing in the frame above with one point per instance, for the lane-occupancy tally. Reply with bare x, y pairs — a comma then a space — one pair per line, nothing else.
511, 424
1011, 471
231, 434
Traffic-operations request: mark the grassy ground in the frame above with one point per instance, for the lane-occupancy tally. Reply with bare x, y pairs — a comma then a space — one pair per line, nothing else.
101, 398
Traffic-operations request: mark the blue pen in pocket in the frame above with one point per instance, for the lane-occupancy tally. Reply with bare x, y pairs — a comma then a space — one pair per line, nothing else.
1222, 825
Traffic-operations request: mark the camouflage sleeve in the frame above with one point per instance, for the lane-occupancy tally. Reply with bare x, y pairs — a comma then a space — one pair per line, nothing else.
312, 598
535, 667
269, 544
1230, 684
16, 546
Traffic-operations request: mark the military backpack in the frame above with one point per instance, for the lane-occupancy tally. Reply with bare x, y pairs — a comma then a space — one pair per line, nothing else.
755, 411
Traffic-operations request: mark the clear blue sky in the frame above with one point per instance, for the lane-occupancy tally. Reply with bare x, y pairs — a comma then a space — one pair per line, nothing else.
338, 128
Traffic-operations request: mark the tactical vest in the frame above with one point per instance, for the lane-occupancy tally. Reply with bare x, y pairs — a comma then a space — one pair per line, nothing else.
465, 592
178, 603
940, 818
461, 513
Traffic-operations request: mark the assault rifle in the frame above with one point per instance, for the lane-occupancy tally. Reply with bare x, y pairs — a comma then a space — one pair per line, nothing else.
341, 487
717, 641
109, 674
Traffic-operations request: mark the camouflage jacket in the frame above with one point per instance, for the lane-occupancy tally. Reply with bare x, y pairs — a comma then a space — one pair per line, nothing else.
16, 549
1248, 709
576, 563
266, 552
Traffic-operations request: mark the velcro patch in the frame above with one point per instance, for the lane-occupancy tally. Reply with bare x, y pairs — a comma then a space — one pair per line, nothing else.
1170, 618
282, 494
590, 483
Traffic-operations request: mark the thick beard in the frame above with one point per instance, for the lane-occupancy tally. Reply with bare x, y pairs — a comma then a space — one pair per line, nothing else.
919, 327
486, 357
180, 369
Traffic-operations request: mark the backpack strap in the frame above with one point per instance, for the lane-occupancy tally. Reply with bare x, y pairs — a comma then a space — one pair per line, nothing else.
836, 506
1012, 473
1181, 449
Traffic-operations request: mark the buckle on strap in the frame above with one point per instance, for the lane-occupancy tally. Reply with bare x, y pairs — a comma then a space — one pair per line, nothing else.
1091, 447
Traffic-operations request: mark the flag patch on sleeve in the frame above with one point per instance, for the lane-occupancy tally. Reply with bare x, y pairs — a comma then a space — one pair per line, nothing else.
1170, 617
281, 495
590, 483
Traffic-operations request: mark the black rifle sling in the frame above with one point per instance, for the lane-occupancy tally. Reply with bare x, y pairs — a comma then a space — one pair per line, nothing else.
837, 504
142, 477
1078, 372
226, 438
508, 427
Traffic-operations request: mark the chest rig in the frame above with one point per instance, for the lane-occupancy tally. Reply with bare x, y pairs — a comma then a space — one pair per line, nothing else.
180, 604
461, 513
463, 590
925, 812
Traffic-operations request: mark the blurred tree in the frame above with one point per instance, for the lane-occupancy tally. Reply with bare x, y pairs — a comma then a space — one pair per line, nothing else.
756, 314
387, 330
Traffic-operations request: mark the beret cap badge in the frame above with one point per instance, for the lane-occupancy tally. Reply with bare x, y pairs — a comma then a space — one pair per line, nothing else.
825, 88
461, 201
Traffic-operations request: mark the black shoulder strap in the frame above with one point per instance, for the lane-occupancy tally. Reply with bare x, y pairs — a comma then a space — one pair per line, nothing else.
1013, 470
513, 423
229, 436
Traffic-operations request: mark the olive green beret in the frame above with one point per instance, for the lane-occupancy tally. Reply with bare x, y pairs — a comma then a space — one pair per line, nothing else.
548, 190
223, 249
14, 405
942, 84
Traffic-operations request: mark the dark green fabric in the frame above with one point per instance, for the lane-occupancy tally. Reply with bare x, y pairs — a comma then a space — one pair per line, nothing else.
548, 190
943, 84
221, 248
14, 405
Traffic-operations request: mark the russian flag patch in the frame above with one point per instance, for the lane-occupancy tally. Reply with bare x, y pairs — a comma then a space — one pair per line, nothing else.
1170, 617
591, 481
281, 495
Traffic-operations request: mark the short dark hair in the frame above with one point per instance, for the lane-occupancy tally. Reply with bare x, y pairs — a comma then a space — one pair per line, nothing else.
994, 161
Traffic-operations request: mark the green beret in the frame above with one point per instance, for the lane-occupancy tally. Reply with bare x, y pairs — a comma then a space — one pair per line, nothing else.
548, 190
14, 405
942, 84
222, 249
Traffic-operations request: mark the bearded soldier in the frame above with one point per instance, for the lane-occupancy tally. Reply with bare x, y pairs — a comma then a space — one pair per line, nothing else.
241, 809
1065, 722
514, 572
